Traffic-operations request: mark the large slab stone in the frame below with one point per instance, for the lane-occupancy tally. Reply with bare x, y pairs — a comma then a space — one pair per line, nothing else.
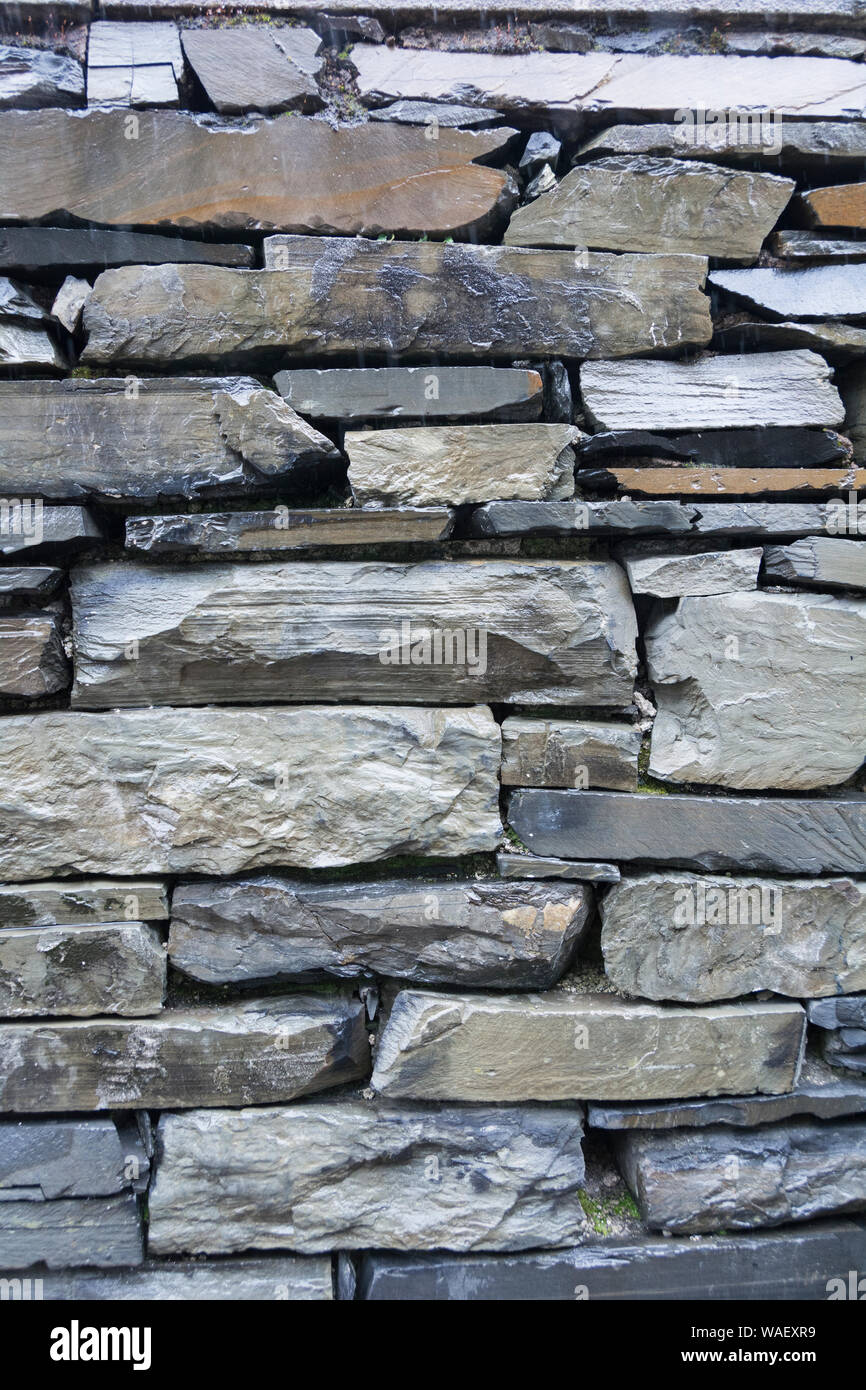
569, 753
137, 64
122, 438
224, 791
287, 1278
91, 249
314, 1176
484, 933
414, 393
32, 659
81, 971
618, 516
759, 690
818, 561
417, 298
42, 1160
711, 1179
674, 936
816, 292
638, 203
249, 69
31, 77
248, 175
260, 1051
528, 632
790, 835
709, 572
795, 146
83, 903
99, 1231
533, 866
467, 1047
221, 533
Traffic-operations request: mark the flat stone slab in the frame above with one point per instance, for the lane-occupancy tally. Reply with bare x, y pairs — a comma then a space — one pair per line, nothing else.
639, 203
83, 903
839, 342
31, 77
467, 1047
841, 205
818, 561
416, 393
31, 525
42, 1160
121, 438
32, 659
681, 576
758, 690
69, 303
816, 292
774, 447
845, 1049
528, 632
259, 1051
222, 791
719, 1178
99, 1231
314, 1176
533, 866
569, 753
426, 298
29, 345
249, 69
816, 147
138, 64
696, 940
674, 480
28, 581
625, 516
483, 933
284, 528
289, 1278
790, 835
81, 971
28, 249
838, 1013
796, 244
434, 114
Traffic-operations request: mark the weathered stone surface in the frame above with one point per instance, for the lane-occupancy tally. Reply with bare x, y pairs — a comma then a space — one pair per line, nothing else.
770, 388
260, 1050
818, 560
785, 835
224, 791
768, 518
846, 1049
97, 248
720, 1178
798, 146
81, 971
541, 148
101, 1231
673, 936
92, 900
69, 302
797, 245
432, 465
816, 292
843, 205
416, 393
522, 631
41, 1160
253, 174
32, 659
289, 1278
137, 64
840, 342
34, 581
32, 77
28, 345
533, 866
721, 448
16, 302
248, 69
169, 436
638, 203
569, 753
395, 297
838, 1013
623, 516
759, 690
483, 933
678, 576
31, 525
434, 113
677, 480
284, 529
314, 1176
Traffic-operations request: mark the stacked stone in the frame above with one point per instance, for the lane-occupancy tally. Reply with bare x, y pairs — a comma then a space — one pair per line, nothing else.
432, 652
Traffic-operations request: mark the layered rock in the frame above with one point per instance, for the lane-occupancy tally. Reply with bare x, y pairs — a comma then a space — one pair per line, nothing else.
414, 393
32, 659
818, 560
842, 205
794, 146
67, 903
817, 292
98, 1231
249, 69
31, 77
288, 1278
838, 1013
29, 525
33, 249
674, 480
28, 581
569, 753
81, 971
45, 1159
680, 576
534, 866
133, 64
287, 529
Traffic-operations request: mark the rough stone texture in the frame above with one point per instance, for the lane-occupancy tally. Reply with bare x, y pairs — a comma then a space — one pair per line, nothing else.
818, 560
838, 1013
100, 1231
720, 1178
840, 342
16, 302
28, 345
467, 1047
66, 903
843, 205
637, 203
533, 866
720, 448
81, 971
792, 836
414, 393
170, 436
673, 480
569, 753
315, 1176
778, 388
29, 527
817, 292
483, 933
846, 1049
32, 659
623, 516
759, 690
249, 69
223, 791
672, 936
69, 302
796, 244
284, 529
522, 631
33, 77
288, 1278
260, 1051
136, 64
396, 297
54, 249
247, 175
679, 576
41, 1160
767, 518
28, 581
435, 114
439, 464
817, 147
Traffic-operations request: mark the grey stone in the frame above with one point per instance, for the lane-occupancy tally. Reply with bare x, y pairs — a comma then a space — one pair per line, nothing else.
397, 297
718, 1178
533, 866
32, 659
853, 387
248, 69
137, 64
621, 515
81, 971
848, 1053
764, 518
820, 148
69, 302
260, 1051
508, 630
796, 44
840, 342
818, 561
722, 448
638, 203
32, 77
482, 933
569, 753
759, 690
303, 46
314, 1176
16, 302
34, 581
99, 1231
673, 936
562, 38
53, 249
83, 903
433, 114
544, 182
25, 524
798, 245
284, 529
42, 1160
678, 576
559, 1046
415, 393
817, 292
28, 345
790, 835
839, 1012
222, 791
287, 1278
541, 149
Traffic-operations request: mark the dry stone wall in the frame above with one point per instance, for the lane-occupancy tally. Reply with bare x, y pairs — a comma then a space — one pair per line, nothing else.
432, 650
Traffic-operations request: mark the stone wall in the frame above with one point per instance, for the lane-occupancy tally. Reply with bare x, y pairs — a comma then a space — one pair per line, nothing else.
432, 651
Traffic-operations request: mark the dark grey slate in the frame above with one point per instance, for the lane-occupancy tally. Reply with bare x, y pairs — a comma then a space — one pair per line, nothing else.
625, 516
53, 249
781, 447
259, 1278
101, 1231
43, 1159
413, 393
533, 866
68, 527
33, 581
285, 529
848, 1011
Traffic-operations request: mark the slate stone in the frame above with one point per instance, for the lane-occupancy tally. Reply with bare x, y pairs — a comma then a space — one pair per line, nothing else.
500, 629
544, 182
569, 753
853, 387
796, 44
696, 940
314, 1176
766, 518
288, 1278
638, 203
617, 516
124, 438
721, 448
31, 77
797, 147
81, 971
433, 114
286, 529
848, 1054
790, 835
69, 302
104, 1232
419, 297
45, 1159
248, 69
532, 866
842, 205
678, 576
30, 526
839, 342
759, 690
719, 1178
482, 933
223, 791
416, 393
816, 292
32, 659
137, 64
259, 1051
838, 1013
303, 46
469, 1047
83, 903
817, 561
27, 345
795, 244
33, 581
57, 249
16, 302
673, 481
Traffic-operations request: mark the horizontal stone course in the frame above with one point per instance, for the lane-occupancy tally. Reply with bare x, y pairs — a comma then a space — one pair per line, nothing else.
104, 1232
84, 902
287, 529
569, 753
287, 1278
81, 970
430, 393
45, 1159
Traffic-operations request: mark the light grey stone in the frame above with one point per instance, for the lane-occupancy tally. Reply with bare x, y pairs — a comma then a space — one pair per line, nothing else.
817, 292
533, 866
82, 903
681, 576
286, 1278
28, 581
286, 529
434, 113
838, 1013
798, 245
820, 148
137, 64
389, 393
25, 524
43, 1159
81, 971
69, 302
796, 44
32, 77
28, 345
818, 560
541, 149
100, 1231
248, 68
544, 182
16, 302
839, 342
624, 516
569, 753
32, 659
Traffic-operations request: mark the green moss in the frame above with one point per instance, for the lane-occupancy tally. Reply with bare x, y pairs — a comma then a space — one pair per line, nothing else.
646, 783
601, 1211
